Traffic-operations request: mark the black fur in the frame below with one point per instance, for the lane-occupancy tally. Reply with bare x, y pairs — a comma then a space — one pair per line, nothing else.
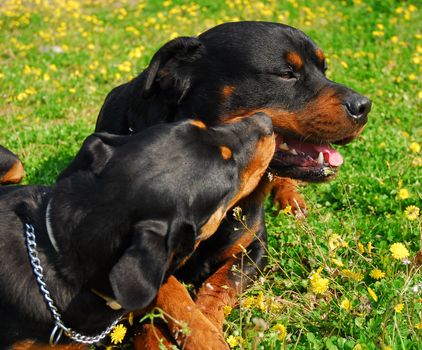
124, 215
236, 69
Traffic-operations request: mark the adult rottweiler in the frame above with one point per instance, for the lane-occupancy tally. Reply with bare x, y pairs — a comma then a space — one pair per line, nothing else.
225, 74
120, 219
11, 168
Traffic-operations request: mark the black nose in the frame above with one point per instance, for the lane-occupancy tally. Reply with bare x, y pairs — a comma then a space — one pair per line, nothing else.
358, 107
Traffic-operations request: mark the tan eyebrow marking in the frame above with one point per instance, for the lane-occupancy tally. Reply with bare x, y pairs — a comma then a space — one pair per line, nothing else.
226, 152
227, 91
294, 59
199, 124
320, 55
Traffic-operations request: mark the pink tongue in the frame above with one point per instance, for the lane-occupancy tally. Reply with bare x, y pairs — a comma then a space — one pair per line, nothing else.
331, 156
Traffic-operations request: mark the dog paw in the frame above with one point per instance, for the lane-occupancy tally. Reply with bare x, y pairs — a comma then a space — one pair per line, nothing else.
287, 197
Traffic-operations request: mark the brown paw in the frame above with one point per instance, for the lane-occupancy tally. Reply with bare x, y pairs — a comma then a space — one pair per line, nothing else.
287, 198
153, 337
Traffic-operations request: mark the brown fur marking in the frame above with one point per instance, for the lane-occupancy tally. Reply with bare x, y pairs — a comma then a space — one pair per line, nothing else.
320, 55
250, 179
31, 345
198, 123
227, 91
14, 175
217, 292
151, 337
286, 194
323, 119
294, 59
226, 152
175, 301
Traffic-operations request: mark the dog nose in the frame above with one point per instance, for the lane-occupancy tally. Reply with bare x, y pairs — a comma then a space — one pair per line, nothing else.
263, 122
358, 108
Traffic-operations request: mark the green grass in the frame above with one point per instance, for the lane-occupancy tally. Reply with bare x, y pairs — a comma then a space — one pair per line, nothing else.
50, 101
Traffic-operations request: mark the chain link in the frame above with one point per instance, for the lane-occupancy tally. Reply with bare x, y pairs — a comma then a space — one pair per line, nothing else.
59, 327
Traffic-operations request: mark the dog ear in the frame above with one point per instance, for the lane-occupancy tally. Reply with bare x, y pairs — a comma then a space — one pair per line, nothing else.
94, 154
139, 273
167, 68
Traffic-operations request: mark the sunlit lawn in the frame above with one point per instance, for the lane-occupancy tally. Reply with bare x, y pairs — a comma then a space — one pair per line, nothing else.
345, 278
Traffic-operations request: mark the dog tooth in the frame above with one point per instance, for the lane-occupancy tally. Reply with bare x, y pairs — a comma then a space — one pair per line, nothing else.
284, 147
293, 151
320, 159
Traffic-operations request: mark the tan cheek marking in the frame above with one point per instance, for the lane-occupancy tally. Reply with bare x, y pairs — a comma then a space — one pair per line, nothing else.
320, 55
249, 180
295, 60
14, 175
227, 91
226, 152
199, 124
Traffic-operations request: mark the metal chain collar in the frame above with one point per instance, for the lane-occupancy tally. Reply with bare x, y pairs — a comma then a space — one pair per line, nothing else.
59, 327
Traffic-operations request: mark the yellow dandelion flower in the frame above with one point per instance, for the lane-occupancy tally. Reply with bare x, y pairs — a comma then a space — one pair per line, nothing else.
412, 77
337, 262
287, 210
248, 302
399, 251
415, 147
394, 39
174, 35
417, 162
356, 276
319, 285
260, 302
403, 194
281, 330
418, 325
335, 241
227, 310
346, 304
369, 247
411, 212
387, 347
399, 308
377, 274
232, 341
372, 294
361, 248
118, 334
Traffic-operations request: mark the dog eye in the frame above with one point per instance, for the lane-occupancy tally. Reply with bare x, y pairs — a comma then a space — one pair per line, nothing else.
288, 75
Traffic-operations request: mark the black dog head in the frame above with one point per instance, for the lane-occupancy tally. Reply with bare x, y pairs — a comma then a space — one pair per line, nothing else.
144, 201
237, 69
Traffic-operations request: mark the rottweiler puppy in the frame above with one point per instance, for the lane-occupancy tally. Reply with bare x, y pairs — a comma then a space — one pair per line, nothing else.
11, 168
121, 218
227, 73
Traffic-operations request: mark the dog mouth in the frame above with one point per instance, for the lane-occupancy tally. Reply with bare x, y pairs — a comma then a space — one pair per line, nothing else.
313, 162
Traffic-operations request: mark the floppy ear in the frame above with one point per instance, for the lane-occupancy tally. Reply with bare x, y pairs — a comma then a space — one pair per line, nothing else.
139, 273
168, 67
94, 154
